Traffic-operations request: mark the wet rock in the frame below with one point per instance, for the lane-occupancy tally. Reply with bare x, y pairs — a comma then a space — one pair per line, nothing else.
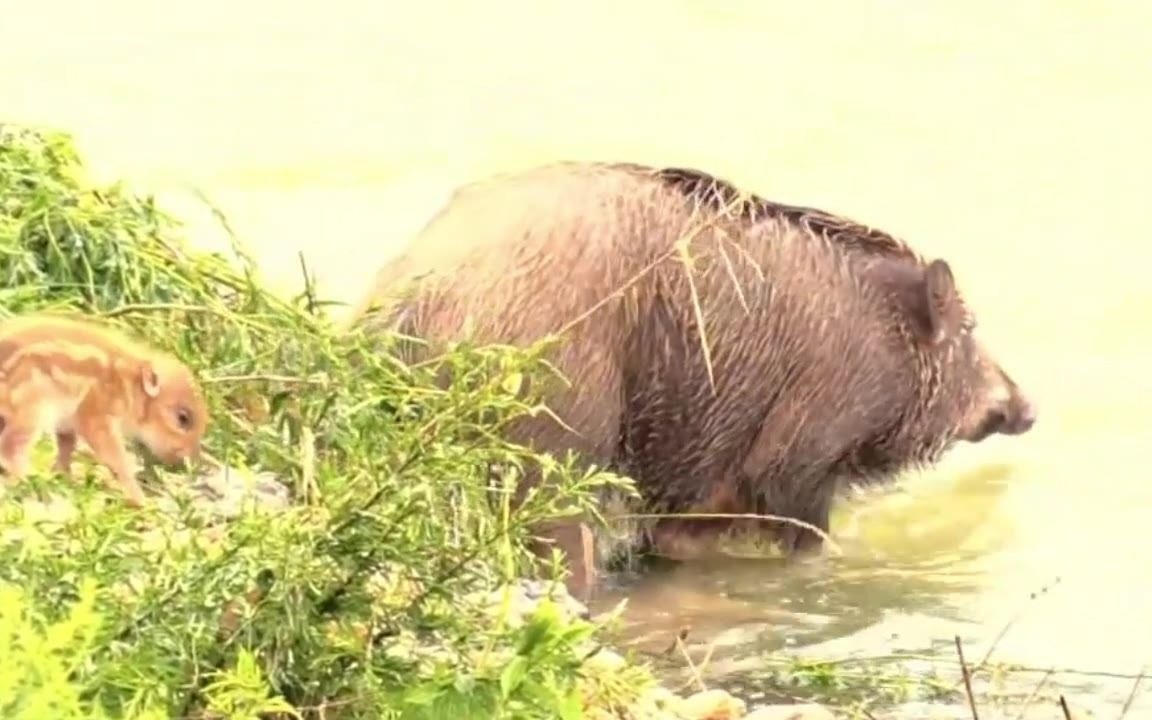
526, 596
216, 496
605, 661
657, 703
711, 705
535, 590
805, 711
224, 493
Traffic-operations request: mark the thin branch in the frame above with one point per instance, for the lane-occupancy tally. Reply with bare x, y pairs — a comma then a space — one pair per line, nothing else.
1132, 695
1032, 698
828, 541
1064, 707
967, 678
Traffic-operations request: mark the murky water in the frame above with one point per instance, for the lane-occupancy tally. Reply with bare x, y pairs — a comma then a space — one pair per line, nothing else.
1010, 138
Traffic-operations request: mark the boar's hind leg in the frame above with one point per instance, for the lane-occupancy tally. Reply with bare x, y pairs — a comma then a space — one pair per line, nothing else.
595, 409
574, 539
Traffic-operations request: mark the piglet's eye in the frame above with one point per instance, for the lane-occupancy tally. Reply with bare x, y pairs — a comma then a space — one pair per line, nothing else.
184, 418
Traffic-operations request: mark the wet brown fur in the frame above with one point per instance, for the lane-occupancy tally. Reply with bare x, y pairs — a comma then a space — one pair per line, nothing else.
837, 354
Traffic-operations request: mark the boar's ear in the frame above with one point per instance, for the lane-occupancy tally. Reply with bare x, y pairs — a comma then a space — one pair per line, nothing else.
149, 380
945, 314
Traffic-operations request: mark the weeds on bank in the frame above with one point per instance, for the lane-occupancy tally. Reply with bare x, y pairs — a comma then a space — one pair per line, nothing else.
355, 593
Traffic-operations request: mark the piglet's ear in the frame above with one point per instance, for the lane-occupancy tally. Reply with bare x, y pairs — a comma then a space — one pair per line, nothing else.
149, 380
945, 313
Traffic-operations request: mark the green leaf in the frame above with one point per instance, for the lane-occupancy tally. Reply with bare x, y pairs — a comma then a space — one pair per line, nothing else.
570, 706
423, 695
513, 675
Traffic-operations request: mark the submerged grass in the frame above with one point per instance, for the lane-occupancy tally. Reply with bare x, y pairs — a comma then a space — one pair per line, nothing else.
354, 594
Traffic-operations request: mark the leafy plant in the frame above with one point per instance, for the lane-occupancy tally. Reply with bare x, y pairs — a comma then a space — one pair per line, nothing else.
353, 602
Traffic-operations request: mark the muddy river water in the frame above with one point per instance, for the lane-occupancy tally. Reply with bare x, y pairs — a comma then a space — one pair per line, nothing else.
1012, 139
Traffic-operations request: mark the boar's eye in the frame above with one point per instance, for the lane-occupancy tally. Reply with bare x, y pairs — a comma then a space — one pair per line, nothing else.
184, 418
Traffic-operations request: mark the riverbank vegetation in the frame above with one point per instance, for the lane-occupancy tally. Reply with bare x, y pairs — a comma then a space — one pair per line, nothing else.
351, 601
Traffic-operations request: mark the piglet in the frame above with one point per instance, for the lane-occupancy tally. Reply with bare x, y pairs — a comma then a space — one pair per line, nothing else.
81, 380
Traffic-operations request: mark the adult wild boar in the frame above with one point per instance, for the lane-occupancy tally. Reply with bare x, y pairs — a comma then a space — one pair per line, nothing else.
730, 354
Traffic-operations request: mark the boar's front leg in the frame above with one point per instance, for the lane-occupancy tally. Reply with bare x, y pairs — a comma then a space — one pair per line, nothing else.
591, 410
791, 482
795, 539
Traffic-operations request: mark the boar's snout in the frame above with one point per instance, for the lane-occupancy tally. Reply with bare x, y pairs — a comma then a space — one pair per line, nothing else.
1008, 412
1021, 419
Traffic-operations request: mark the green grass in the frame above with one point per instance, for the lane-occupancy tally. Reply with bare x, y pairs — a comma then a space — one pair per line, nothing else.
401, 486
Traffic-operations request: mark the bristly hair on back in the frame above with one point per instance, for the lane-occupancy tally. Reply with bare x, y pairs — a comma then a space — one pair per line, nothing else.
722, 196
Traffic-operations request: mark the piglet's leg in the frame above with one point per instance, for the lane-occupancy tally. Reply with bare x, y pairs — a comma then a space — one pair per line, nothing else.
16, 443
108, 445
65, 447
